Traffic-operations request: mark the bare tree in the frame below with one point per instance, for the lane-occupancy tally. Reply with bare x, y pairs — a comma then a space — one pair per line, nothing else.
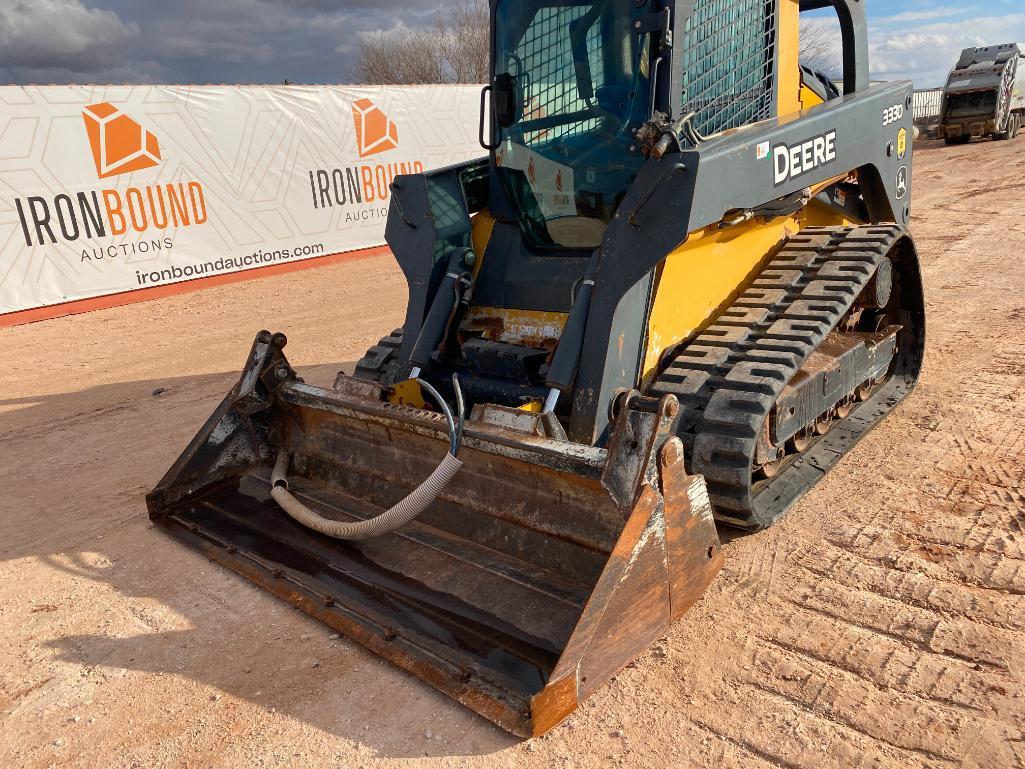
398, 57
820, 46
455, 49
467, 46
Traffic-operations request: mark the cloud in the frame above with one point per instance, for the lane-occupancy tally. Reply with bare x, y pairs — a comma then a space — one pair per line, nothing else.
193, 41
925, 53
333, 6
913, 41
936, 13
315, 41
917, 45
59, 34
143, 72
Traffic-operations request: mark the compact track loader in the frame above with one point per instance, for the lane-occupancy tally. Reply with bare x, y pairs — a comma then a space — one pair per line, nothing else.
676, 291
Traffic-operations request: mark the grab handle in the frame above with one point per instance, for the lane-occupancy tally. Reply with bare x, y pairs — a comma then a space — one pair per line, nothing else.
484, 112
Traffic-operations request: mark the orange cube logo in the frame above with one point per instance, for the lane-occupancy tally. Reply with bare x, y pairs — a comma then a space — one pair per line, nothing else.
119, 144
375, 132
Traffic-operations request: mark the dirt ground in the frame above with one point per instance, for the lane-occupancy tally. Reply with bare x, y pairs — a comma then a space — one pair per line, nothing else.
880, 624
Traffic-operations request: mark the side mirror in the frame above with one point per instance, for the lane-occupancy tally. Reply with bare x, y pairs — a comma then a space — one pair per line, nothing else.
505, 100
505, 109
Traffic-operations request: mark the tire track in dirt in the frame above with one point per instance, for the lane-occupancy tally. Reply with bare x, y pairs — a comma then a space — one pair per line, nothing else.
906, 582
907, 632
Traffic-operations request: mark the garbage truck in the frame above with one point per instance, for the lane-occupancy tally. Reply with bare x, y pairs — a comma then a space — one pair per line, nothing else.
985, 94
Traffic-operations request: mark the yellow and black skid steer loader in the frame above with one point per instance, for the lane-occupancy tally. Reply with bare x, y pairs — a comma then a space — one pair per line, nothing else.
676, 291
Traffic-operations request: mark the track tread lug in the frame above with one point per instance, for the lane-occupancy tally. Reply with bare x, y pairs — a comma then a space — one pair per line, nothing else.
731, 374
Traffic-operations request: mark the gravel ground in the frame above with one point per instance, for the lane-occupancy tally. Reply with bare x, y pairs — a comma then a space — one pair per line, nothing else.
881, 624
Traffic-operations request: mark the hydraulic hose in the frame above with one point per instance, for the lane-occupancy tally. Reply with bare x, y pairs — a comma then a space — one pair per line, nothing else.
563, 369
399, 514
682, 128
443, 307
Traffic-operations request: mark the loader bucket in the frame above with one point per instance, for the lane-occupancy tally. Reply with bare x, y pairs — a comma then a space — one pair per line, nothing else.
542, 569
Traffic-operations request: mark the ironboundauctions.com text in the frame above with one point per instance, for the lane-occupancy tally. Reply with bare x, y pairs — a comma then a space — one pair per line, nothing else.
225, 264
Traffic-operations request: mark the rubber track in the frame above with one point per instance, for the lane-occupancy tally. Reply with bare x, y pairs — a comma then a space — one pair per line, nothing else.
728, 378
374, 365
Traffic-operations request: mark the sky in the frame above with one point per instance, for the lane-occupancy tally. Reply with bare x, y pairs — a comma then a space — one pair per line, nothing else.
315, 41
920, 40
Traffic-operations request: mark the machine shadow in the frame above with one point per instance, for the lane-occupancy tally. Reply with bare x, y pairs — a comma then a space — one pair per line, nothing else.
195, 619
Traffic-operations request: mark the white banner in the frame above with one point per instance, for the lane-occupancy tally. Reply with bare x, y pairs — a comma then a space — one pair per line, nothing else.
107, 189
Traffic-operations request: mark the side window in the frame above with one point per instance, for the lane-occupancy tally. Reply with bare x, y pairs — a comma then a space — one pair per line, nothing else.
728, 63
545, 67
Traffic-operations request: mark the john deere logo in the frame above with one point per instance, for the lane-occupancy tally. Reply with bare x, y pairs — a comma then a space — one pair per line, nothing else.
375, 132
119, 144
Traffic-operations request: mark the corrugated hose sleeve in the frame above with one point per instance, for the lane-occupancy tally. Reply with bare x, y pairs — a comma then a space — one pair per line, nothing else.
399, 515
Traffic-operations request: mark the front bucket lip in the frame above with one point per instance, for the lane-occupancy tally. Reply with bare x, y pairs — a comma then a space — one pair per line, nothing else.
627, 584
457, 682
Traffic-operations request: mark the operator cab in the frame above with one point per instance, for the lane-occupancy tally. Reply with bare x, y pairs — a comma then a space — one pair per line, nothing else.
573, 79
576, 81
